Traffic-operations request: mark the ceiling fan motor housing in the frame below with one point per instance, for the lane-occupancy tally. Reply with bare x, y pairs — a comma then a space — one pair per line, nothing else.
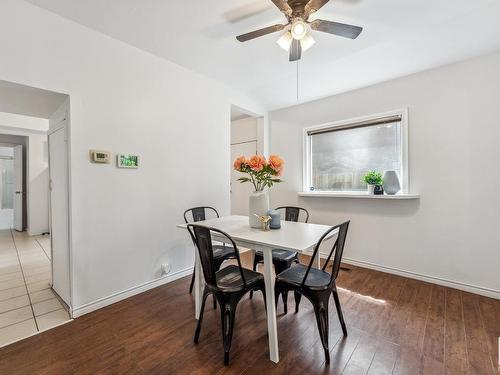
298, 8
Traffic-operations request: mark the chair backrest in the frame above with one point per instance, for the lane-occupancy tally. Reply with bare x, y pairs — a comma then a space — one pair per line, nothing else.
338, 248
198, 213
293, 213
195, 214
203, 240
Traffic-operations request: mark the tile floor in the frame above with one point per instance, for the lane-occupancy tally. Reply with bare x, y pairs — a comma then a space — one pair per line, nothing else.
6, 218
27, 304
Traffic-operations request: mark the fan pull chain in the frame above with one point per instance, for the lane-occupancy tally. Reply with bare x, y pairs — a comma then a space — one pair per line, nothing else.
298, 80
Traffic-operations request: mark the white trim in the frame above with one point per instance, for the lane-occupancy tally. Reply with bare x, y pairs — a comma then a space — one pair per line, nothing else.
25, 131
427, 278
116, 297
347, 194
306, 148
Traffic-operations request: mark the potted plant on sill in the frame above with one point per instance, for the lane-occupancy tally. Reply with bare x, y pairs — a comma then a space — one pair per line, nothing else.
262, 173
372, 179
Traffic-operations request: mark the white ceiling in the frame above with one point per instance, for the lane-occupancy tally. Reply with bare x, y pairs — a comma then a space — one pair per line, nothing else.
400, 37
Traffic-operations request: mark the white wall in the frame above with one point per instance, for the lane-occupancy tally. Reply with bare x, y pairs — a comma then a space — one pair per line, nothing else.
244, 130
452, 232
125, 100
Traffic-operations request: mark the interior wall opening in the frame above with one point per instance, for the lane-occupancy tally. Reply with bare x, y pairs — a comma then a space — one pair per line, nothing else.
247, 139
33, 268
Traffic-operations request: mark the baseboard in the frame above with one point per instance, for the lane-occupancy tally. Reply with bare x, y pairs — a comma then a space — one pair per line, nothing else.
116, 297
430, 279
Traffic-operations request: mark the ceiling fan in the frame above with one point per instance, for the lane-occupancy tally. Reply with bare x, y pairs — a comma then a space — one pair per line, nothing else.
297, 38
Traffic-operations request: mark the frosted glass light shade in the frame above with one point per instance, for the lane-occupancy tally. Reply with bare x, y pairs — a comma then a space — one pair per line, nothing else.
307, 42
299, 29
285, 41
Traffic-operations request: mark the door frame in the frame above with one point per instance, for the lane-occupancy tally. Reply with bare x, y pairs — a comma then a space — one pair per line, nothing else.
59, 120
25, 167
20, 166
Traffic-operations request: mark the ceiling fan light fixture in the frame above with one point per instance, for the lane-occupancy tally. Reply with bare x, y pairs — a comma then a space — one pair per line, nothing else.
307, 42
285, 41
299, 29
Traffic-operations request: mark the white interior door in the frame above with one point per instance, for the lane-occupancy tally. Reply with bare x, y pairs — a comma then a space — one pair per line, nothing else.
240, 192
59, 217
18, 188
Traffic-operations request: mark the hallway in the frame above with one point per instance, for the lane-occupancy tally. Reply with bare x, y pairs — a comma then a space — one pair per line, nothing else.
27, 304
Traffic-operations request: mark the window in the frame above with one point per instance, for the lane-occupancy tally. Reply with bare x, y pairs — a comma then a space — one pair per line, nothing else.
337, 155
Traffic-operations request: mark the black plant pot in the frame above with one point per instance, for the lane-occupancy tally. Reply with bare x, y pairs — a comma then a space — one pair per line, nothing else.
378, 190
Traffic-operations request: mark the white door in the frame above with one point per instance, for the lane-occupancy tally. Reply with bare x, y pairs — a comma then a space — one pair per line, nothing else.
58, 170
18, 188
240, 192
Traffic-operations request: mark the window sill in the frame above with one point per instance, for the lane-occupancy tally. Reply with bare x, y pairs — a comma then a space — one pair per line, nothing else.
327, 194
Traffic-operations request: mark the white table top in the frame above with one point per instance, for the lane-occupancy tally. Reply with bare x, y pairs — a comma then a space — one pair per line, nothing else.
292, 236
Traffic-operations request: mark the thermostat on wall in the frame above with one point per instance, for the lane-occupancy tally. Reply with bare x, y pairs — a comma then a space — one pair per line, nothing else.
101, 157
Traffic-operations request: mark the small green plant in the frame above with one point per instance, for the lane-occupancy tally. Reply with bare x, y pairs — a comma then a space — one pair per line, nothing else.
373, 178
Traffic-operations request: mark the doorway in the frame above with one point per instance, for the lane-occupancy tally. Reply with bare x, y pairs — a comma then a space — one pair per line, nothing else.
246, 140
35, 285
6, 187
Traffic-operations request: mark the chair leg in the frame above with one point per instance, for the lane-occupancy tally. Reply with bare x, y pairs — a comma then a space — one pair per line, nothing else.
280, 267
255, 269
284, 297
263, 290
297, 296
198, 326
227, 318
278, 290
321, 312
339, 310
192, 284
218, 264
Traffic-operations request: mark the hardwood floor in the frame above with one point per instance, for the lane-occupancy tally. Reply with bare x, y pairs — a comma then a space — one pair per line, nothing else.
396, 325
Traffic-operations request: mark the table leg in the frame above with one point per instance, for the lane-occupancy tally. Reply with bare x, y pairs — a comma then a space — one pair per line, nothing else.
272, 325
198, 286
317, 261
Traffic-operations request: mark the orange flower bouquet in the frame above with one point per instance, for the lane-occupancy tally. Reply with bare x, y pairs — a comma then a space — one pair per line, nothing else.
261, 173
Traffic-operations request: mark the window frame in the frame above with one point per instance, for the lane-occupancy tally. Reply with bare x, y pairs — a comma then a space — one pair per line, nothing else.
307, 157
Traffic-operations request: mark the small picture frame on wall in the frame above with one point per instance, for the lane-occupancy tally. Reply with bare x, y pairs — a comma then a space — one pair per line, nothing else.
127, 161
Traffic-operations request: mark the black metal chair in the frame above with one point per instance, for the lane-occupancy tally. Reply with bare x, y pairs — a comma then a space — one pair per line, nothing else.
282, 258
221, 252
317, 285
228, 284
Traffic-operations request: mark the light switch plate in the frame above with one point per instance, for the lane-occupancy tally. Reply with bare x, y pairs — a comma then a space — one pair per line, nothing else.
100, 157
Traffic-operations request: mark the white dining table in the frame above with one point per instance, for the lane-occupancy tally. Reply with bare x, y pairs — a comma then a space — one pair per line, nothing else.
300, 237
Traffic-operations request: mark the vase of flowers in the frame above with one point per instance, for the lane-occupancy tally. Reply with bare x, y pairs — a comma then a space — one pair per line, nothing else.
262, 173
372, 179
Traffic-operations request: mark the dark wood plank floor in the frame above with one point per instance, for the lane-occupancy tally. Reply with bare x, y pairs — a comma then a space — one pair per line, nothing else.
396, 326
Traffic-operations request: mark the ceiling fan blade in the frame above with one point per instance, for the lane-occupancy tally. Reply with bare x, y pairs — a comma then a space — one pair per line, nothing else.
260, 32
295, 50
314, 5
336, 28
283, 6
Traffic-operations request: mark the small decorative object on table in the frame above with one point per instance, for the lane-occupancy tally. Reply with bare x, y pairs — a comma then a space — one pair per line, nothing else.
262, 174
378, 190
373, 178
275, 219
265, 220
391, 182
